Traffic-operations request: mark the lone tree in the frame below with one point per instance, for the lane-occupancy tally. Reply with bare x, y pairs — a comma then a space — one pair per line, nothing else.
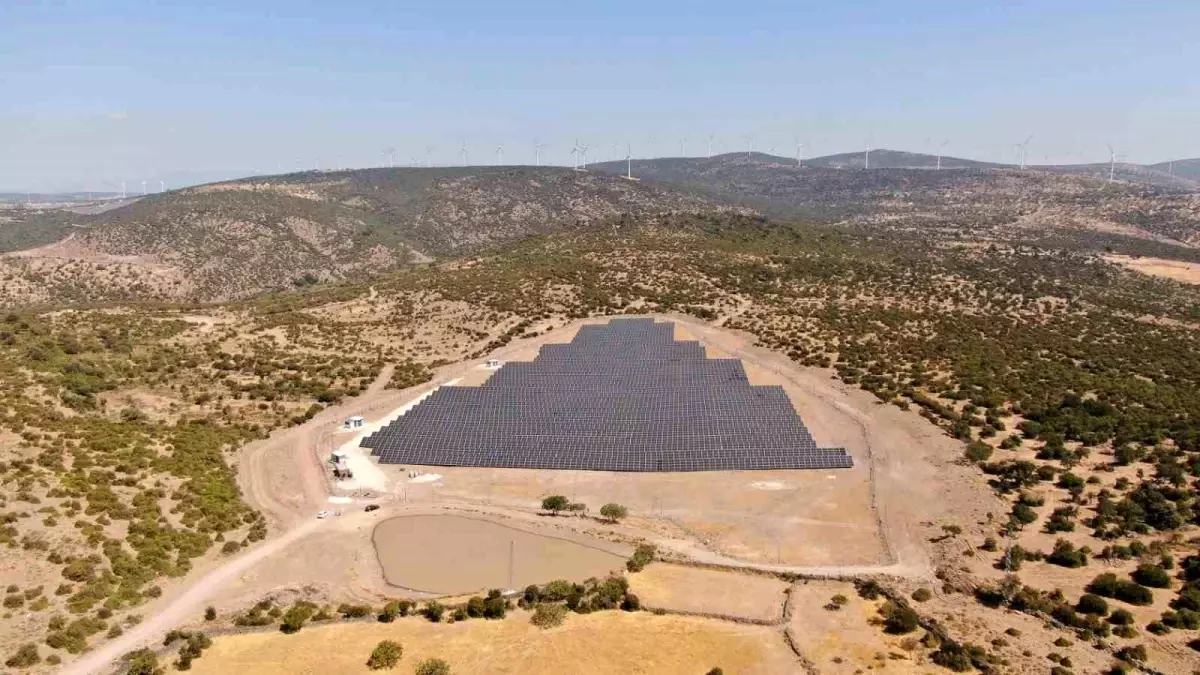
613, 512
432, 667
385, 655
555, 503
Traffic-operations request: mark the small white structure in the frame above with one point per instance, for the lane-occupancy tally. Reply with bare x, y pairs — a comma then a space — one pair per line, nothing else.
494, 363
355, 422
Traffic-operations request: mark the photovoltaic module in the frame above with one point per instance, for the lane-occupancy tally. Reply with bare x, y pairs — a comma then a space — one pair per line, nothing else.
621, 396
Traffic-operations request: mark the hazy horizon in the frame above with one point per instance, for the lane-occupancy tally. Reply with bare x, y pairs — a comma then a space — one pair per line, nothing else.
131, 91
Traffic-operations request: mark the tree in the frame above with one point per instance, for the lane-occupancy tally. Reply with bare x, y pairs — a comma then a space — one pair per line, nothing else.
210, 613
432, 667
1092, 604
555, 503
613, 512
899, 619
1152, 576
385, 655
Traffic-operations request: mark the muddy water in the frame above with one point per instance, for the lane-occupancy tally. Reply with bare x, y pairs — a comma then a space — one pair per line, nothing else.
454, 554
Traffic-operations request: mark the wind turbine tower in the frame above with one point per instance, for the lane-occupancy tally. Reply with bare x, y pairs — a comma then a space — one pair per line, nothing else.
1024, 149
750, 151
710, 140
463, 149
867, 156
122, 189
683, 147
499, 155
162, 186
1112, 164
941, 149
537, 153
575, 154
799, 155
629, 163
143, 188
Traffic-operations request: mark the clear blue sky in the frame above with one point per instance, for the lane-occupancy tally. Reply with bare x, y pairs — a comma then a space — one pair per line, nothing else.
99, 92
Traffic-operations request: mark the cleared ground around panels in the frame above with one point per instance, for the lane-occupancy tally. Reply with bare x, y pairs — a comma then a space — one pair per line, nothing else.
816, 517
451, 555
705, 591
602, 643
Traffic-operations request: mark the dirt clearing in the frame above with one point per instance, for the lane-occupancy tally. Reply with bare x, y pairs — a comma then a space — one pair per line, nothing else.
1187, 272
704, 591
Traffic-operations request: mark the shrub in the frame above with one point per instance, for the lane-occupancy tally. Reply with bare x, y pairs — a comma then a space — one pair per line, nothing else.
210, 614
1066, 555
1133, 653
643, 555
385, 655
922, 594
1092, 604
1121, 617
1152, 576
297, 614
614, 512
548, 615
555, 503
434, 611
24, 657
715, 671
978, 451
349, 611
141, 662
899, 619
432, 667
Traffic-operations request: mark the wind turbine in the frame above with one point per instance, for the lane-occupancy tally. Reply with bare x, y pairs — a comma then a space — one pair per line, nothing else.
629, 162
583, 151
575, 154
391, 155
749, 152
428, 156
1024, 149
463, 149
799, 155
162, 186
122, 189
537, 153
941, 147
710, 140
683, 147
1112, 163
143, 188
867, 156
499, 155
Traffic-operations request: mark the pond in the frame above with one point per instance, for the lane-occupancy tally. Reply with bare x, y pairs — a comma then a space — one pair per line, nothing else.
452, 555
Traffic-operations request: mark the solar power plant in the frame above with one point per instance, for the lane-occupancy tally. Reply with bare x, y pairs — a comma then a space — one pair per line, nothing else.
621, 396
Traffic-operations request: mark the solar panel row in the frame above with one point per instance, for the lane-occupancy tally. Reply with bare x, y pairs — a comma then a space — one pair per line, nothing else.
622, 396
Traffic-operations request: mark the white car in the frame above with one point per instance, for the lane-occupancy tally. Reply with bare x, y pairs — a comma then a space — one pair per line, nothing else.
322, 514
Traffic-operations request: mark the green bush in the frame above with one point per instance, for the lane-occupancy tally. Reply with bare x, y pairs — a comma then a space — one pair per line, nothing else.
26, 656
643, 555
614, 512
1152, 576
548, 615
1092, 604
432, 667
385, 655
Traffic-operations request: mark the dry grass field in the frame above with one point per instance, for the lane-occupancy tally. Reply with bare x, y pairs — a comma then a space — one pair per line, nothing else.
704, 591
1179, 270
595, 644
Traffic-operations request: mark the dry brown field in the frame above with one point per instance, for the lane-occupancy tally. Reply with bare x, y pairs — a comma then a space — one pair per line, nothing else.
705, 591
602, 643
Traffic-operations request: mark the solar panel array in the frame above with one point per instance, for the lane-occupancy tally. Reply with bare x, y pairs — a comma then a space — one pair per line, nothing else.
621, 396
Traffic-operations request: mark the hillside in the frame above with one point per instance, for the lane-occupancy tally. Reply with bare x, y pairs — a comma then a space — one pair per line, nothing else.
958, 203
1184, 168
230, 240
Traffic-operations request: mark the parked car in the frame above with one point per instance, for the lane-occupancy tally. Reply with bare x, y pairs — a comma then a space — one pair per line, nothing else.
322, 514
372, 507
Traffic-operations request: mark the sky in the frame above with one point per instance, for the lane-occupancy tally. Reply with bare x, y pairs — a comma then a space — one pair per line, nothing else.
97, 93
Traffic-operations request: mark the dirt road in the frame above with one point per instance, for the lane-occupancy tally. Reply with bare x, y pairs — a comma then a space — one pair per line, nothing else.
187, 606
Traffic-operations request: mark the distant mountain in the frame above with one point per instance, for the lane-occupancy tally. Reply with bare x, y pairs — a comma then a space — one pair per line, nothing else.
234, 239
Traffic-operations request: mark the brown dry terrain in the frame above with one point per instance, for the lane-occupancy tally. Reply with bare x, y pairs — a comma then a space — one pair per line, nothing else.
595, 644
1187, 272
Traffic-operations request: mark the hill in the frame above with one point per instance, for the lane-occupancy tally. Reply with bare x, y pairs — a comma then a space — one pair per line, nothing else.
1183, 168
963, 202
235, 239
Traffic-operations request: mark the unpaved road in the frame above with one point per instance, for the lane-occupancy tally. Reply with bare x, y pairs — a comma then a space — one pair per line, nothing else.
187, 606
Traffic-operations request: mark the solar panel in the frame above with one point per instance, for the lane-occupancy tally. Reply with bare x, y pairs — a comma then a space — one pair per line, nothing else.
621, 396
